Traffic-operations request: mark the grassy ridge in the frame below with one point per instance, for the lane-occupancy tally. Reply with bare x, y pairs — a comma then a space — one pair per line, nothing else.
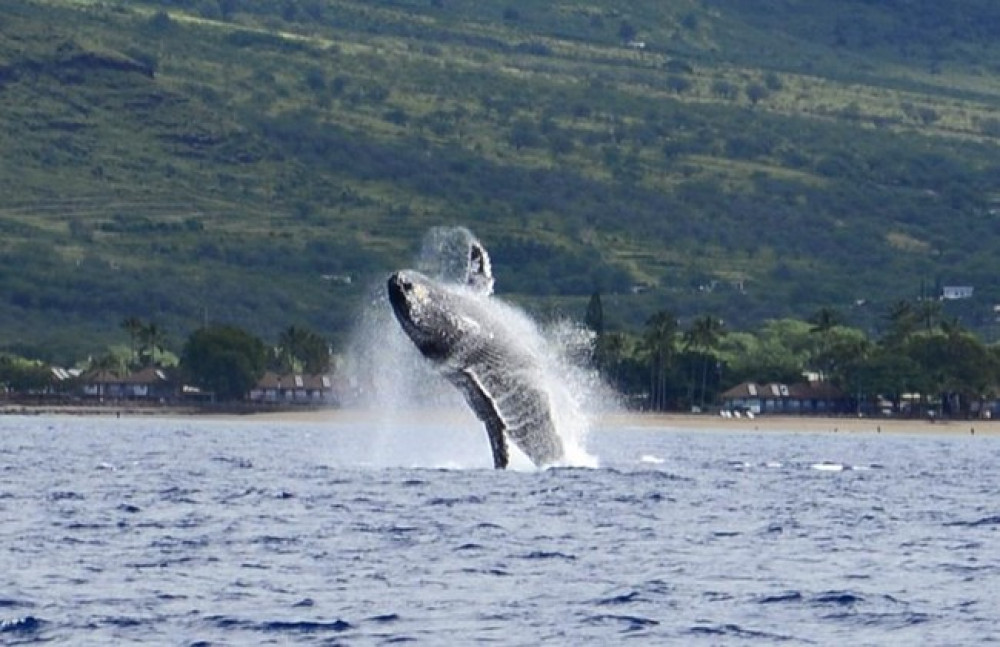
181, 162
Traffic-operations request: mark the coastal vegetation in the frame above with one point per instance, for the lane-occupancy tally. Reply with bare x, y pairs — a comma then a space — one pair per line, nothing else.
261, 162
920, 363
222, 362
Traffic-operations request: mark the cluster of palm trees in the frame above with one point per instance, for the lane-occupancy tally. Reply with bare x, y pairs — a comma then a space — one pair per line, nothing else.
660, 342
146, 340
661, 353
301, 350
298, 349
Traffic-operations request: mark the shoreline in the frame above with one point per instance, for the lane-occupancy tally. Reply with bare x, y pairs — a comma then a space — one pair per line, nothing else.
803, 424
634, 420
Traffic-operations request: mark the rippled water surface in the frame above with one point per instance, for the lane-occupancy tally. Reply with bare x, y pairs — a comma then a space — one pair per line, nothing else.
183, 532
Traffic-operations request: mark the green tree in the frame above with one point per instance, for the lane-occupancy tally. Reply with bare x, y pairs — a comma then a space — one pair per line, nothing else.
302, 349
152, 339
594, 318
953, 366
524, 133
627, 32
703, 338
891, 373
609, 352
842, 348
110, 361
133, 326
903, 319
929, 313
24, 376
225, 360
824, 320
772, 354
756, 93
845, 360
660, 348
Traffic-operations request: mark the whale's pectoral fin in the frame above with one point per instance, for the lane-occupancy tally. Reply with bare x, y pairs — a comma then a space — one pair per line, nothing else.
498, 443
486, 411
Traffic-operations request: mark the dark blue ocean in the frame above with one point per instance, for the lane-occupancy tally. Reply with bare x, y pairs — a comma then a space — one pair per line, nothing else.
253, 532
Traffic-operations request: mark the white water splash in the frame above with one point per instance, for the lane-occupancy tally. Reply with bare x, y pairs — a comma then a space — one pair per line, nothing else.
827, 466
422, 419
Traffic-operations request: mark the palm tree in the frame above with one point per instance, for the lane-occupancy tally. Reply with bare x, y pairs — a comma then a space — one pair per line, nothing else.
302, 348
903, 321
951, 327
703, 337
289, 341
608, 352
133, 326
929, 311
152, 338
824, 320
658, 340
107, 362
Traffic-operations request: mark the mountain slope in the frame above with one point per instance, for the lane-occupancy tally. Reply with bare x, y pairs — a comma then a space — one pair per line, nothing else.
184, 161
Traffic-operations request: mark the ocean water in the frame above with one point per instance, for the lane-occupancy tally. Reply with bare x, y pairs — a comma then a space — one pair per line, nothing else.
251, 532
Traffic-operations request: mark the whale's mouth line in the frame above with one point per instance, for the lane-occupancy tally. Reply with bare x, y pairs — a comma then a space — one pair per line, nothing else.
397, 293
410, 298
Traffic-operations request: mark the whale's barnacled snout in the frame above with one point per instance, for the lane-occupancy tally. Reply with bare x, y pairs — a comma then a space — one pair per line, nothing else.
413, 304
409, 292
399, 286
410, 298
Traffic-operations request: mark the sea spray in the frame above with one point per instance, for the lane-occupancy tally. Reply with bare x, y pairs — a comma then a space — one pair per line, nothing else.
398, 388
404, 392
444, 255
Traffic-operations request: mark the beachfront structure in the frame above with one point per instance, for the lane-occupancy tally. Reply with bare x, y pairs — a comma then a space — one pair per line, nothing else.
799, 398
293, 388
150, 383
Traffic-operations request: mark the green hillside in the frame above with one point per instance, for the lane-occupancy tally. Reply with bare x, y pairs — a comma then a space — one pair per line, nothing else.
265, 163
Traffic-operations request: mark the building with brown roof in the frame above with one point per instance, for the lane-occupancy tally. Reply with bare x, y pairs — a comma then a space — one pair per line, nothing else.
800, 398
293, 388
150, 383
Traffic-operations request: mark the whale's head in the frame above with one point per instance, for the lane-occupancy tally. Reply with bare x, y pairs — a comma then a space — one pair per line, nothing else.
426, 311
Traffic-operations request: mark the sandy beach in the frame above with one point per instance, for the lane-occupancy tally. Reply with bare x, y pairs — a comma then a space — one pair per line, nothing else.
683, 421
808, 424
634, 420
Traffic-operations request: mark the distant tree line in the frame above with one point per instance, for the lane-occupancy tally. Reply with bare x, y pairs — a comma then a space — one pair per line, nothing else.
665, 365
670, 366
227, 361
224, 360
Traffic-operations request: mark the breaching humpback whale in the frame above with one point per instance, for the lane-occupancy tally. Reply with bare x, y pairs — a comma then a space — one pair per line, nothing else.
454, 328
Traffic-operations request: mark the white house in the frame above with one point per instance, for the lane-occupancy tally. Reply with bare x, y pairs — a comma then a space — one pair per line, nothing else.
950, 292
